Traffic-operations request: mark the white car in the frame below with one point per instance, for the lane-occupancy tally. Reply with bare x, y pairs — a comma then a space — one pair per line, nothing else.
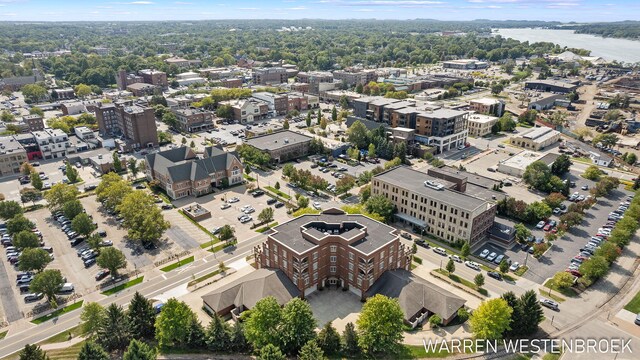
514, 266
472, 265
246, 219
455, 258
233, 200
224, 206
540, 225
440, 251
484, 253
492, 256
316, 205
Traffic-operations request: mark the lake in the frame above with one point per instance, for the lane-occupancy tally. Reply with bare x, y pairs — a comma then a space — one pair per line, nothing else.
622, 50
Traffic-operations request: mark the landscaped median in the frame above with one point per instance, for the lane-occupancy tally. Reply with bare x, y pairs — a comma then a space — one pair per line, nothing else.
58, 312
177, 264
278, 192
265, 228
121, 287
460, 282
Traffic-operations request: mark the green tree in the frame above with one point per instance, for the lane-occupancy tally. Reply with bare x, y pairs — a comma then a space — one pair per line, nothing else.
34, 92
378, 204
27, 169
537, 211
112, 259
82, 90
183, 141
10, 209
380, 325
30, 194
114, 333
170, 119
117, 164
19, 223
334, 114
319, 116
112, 190
141, 317
218, 334
7, 117
33, 259
561, 165
297, 327
36, 181
479, 280
49, 283
537, 174
266, 215
92, 351
311, 350
606, 140
271, 352
92, 316
238, 340
491, 319
138, 350
554, 199
451, 266
227, 232
323, 123
528, 117
225, 111
285, 124
358, 134
531, 315
83, 224
32, 352
504, 266
303, 202
132, 165
350, 340
594, 268
60, 194
175, 317
144, 221
607, 250
371, 151
631, 159
308, 119
562, 279
593, 172
522, 232
94, 241
466, 250
329, 339
71, 209
497, 89
265, 316
435, 321
26, 239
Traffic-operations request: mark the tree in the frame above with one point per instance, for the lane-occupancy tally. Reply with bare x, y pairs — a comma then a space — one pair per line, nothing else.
183, 141
594, 268
27, 169
82, 90
334, 114
265, 317
506, 122
531, 314
10, 209
345, 184
329, 340
285, 124
72, 208
227, 232
238, 341
225, 111
30, 194
311, 350
561, 165
26, 239
49, 283
36, 180
554, 199
132, 165
357, 134
522, 232
380, 325
33, 259
308, 119
303, 202
34, 92
380, 205
92, 316
112, 259
537, 211
19, 223
319, 117
491, 319
117, 164
170, 119
83, 224
605, 140
141, 317
266, 215
400, 152
631, 159
537, 174
112, 190
138, 350
451, 266
114, 332
297, 326
323, 123
504, 266
92, 351
593, 172
562, 280
466, 250
271, 352
144, 221
60, 194
435, 321
528, 117
350, 341
192, 144
607, 250
32, 352
218, 334
175, 317
479, 280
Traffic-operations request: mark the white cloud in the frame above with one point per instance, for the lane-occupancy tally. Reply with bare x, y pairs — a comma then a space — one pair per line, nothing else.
297, 8
248, 9
141, 3
183, 3
391, 3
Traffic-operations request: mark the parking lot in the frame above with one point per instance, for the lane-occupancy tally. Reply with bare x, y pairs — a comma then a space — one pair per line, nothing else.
558, 257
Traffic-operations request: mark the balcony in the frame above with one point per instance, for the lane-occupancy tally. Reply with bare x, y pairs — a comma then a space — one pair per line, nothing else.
300, 267
366, 267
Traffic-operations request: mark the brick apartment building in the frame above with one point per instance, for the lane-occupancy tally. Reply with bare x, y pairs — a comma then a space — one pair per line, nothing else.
266, 76
154, 77
297, 101
33, 122
355, 77
277, 103
333, 249
193, 119
440, 207
315, 79
135, 123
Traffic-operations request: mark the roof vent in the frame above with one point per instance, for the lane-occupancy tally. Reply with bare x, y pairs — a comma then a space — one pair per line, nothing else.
286, 141
434, 185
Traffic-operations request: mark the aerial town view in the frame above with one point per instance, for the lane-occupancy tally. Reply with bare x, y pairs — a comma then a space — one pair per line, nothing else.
341, 179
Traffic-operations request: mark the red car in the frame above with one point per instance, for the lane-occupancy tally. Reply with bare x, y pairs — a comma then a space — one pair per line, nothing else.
547, 227
575, 273
554, 230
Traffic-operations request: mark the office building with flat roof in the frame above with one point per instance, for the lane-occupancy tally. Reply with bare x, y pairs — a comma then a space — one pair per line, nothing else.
12, 156
480, 125
536, 139
282, 145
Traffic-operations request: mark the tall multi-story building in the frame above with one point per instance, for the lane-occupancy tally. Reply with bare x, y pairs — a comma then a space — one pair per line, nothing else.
136, 124
193, 119
12, 156
53, 143
446, 129
355, 77
487, 106
123, 79
480, 124
333, 249
437, 206
154, 77
107, 118
273, 75
318, 80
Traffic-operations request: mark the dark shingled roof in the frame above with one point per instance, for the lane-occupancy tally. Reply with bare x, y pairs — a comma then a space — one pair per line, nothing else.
414, 294
181, 163
249, 289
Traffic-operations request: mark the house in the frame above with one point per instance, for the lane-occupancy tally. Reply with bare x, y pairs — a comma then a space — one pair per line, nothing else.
248, 110
181, 172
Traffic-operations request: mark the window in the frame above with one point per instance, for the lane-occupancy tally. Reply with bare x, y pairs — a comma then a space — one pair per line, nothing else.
333, 248
359, 282
315, 276
351, 256
284, 263
315, 266
333, 258
381, 265
315, 255
350, 277
332, 269
351, 266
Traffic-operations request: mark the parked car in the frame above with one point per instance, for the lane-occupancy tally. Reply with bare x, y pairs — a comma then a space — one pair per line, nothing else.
167, 207
106, 243
440, 251
494, 274
492, 256
455, 258
33, 297
316, 205
25, 280
279, 204
472, 265
233, 200
102, 274
89, 262
271, 201
514, 266
498, 259
540, 225
484, 253
550, 304
422, 243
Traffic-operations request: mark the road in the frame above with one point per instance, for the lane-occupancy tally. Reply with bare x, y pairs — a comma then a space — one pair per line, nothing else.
149, 288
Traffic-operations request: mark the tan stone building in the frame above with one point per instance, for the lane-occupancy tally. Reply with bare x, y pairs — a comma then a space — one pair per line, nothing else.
12, 156
536, 139
480, 125
333, 249
282, 145
487, 106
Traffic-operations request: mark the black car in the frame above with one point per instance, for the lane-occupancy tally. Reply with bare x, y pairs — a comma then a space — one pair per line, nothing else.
24, 288
421, 242
76, 241
257, 193
89, 262
102, 274
271, 201
102, 233
140, 186
279, 204
494, 274
149, 245
167, 207
90, 187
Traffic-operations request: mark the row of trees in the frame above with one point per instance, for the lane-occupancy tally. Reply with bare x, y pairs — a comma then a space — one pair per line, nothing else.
375, 142
520, 210
547, 179
507, 317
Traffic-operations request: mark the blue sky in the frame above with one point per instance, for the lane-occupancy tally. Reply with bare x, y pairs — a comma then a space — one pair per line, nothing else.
561, 10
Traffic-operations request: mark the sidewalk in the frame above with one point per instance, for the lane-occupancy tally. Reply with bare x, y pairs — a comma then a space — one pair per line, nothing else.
62, 345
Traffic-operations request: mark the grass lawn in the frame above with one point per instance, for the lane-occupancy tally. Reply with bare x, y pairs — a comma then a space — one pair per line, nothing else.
570, 292
634, 304
521, 270
177, 264
204, 277
219, 247
65, 354
462, 281
58, 312
267, 227
551, 356
278, 192
121, 287
208, 244
63, 336
3, 334
248, 178
553, 297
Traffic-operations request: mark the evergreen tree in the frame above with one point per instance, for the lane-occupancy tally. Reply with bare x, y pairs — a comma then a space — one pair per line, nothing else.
92, 351
114, 333
311, 351
141, 317
271, 352
218, 335
350, 340
32, 352
238, 340
329, 339
138, 350
531, 313
309, 119
514, 304
196, 338
451, 267
117, 164
319, 116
